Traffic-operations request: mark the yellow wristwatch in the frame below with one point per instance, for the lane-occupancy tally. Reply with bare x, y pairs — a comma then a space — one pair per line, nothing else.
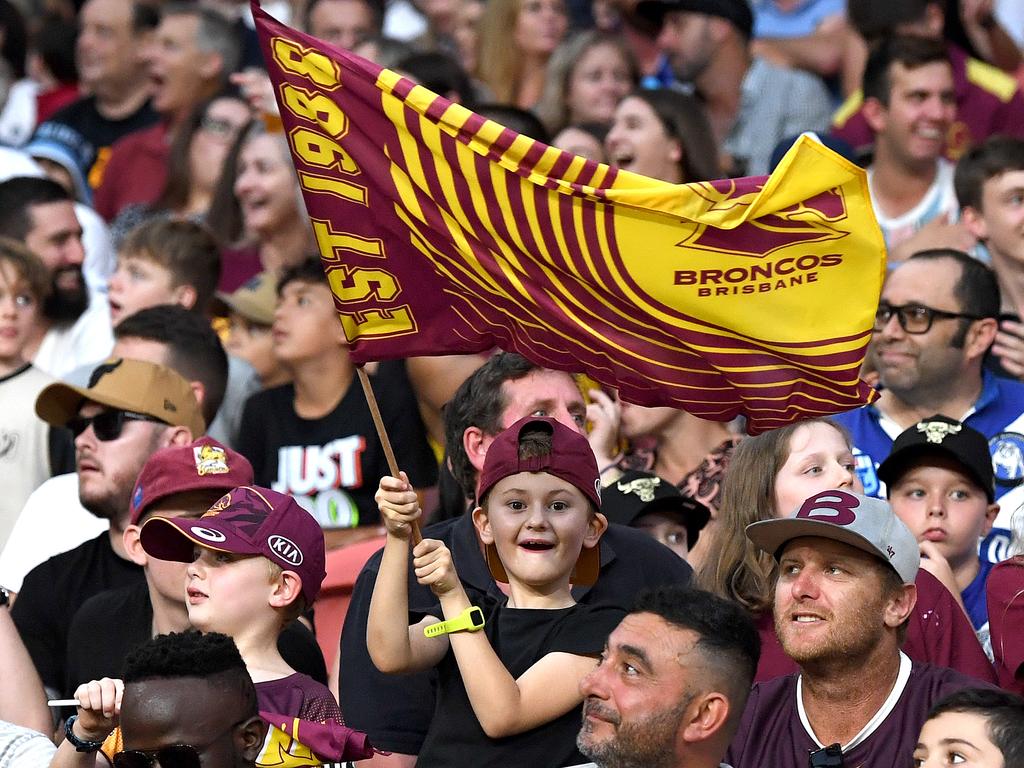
470, 620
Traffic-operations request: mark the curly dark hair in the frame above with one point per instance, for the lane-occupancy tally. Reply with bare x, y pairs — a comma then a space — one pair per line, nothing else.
212, 656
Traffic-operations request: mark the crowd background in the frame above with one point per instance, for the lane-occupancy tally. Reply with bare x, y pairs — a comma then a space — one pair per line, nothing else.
149, 211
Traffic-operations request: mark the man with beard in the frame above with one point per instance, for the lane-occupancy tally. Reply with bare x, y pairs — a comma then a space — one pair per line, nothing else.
130, 409
935, 323
41, 214
672, 682
843, 596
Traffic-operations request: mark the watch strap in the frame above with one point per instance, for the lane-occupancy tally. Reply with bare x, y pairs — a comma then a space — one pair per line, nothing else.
80, 745
470, 620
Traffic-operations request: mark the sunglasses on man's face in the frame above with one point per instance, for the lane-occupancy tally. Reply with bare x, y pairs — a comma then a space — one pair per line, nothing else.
107, 425
176, 756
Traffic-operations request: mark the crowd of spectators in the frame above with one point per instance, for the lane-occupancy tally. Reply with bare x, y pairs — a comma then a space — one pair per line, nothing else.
205, 551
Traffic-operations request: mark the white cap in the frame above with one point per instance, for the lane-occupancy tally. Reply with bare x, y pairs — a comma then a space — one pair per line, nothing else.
860, 521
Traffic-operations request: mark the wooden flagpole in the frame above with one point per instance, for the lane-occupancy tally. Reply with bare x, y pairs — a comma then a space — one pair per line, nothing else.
378, 422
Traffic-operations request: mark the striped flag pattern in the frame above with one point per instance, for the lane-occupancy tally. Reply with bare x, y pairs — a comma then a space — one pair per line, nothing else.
442, 232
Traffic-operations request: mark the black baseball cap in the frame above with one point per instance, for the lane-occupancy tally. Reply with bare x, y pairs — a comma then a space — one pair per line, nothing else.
736, 12
941, 436
638, 493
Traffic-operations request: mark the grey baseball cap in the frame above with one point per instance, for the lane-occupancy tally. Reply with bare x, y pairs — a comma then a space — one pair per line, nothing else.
868, 524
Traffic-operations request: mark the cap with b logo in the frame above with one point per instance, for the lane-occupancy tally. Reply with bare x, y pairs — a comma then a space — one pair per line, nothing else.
127, 385
248, 520
941, 436
868, 524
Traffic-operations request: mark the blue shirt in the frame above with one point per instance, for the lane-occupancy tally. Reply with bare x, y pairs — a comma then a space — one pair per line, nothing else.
998, 414
975, 599
801, 21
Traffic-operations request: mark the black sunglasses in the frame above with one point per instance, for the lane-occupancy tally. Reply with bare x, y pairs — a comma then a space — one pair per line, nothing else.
176, 756
915, 318
826, 757
107, 425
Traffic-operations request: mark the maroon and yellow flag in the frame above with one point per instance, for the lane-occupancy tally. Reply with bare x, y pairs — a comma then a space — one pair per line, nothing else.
443, 232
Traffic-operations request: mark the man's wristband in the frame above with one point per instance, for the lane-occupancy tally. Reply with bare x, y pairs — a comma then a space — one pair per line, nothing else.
80, 745
470, 620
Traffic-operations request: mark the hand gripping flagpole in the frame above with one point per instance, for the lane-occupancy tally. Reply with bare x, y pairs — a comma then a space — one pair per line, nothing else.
382, 434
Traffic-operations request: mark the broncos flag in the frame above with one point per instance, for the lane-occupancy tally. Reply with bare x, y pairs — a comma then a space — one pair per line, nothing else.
442, 232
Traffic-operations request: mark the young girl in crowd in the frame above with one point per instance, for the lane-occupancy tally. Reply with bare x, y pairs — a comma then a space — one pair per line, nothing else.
770, 476
509, 694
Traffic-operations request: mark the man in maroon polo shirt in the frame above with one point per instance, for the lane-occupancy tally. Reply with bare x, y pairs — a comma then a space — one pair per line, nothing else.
844, 593
988, 100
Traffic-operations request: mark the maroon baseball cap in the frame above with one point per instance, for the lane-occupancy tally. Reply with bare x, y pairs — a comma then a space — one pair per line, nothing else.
571, 459
204, 465
246, 521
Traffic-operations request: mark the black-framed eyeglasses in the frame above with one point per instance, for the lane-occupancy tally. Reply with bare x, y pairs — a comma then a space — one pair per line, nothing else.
826, 757
915, 318
107, 425
175, 756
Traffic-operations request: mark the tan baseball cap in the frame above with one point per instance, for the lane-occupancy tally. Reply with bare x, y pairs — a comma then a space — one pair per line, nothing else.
128, 385
255, 300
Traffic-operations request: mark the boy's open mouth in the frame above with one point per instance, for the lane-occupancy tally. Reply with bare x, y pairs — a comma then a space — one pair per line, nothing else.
536, 545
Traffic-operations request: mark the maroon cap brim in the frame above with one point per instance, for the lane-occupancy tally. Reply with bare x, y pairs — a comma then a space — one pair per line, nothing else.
175, 538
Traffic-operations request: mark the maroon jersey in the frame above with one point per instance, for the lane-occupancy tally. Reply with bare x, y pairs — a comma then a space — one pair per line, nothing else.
772, 732
938, 633
988, 102
306, 725
1005, 594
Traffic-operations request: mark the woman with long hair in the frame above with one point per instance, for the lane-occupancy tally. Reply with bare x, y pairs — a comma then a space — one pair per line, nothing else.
769, 476
587, 76
665, 135
258, 212
517, 38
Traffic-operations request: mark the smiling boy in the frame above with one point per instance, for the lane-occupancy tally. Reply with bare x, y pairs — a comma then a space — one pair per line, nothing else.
510, 693
940, 482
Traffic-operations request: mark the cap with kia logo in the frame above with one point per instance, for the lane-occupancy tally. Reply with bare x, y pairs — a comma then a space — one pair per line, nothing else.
126, 385
868, 524
248, 520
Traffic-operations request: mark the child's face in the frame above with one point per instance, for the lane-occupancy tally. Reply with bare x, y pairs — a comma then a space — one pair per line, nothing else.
1002, 199
539, 523
667, 528
253, 343
941, 504
137, 284
19, 313
819, 460
956, 738
305, 323
224, 591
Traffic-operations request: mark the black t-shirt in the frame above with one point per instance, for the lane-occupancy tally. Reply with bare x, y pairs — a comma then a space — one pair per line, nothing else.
54, 591
396, 710
112, 623
520, 637
332, 465
90, 135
